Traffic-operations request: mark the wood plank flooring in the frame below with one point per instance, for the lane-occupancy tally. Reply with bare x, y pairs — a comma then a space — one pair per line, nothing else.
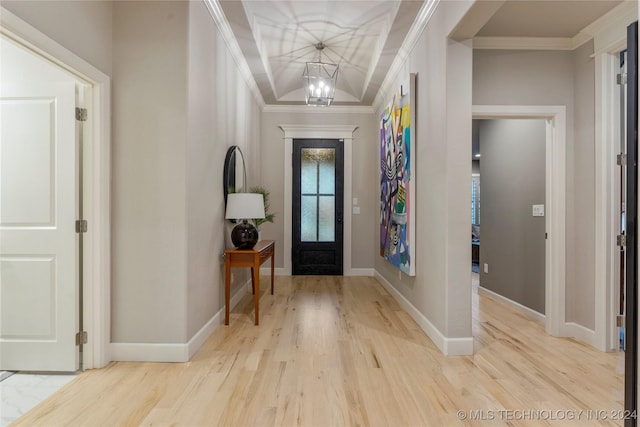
339, 351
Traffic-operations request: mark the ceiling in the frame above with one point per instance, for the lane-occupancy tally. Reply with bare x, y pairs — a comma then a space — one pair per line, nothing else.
277, 37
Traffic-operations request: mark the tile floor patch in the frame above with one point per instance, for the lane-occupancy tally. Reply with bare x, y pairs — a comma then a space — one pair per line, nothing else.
20, 392
5, 374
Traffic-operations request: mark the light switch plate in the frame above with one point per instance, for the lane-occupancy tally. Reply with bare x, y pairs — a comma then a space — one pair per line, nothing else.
537, 210
355, 201
356, 210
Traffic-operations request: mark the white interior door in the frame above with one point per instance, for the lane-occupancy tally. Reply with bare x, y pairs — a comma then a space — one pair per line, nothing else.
38, 243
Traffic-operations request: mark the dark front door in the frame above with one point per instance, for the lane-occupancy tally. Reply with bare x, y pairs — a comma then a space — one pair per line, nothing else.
317, 206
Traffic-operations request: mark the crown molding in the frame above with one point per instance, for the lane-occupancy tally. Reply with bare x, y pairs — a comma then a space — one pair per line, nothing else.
524, 43
333, 109
234, 48
418, 26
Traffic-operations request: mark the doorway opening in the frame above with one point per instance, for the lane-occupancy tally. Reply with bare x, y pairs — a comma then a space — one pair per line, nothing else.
554, 203
475, 197
340, 132
510, 158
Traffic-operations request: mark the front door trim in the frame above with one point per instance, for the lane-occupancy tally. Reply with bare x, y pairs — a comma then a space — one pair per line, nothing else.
291, 132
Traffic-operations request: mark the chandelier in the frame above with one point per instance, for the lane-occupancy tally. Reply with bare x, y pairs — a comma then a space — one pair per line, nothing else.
319, 80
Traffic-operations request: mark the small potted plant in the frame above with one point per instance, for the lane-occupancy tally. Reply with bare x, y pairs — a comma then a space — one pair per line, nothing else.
268, 215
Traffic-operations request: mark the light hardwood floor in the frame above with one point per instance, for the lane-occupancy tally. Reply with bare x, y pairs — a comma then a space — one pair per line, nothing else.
339, 351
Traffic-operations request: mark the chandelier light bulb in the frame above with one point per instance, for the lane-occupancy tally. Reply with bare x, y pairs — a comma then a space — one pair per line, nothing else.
321, 84
311, 88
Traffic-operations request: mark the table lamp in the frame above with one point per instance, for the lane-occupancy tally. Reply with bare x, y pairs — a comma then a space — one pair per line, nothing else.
244, 206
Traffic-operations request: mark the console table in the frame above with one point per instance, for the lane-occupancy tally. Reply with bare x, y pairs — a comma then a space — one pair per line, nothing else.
252, 258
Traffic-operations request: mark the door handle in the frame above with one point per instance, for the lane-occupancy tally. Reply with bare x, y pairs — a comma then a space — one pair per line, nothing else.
339, 219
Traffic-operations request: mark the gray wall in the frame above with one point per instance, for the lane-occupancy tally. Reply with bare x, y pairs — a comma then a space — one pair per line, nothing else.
179, 103
580, 302
440, 290
512, 172
149, 172
222, 112
556, 78
83, 27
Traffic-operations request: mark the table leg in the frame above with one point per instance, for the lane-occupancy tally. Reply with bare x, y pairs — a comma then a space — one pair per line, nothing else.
273, 255
227, 288
253, 283
255, 278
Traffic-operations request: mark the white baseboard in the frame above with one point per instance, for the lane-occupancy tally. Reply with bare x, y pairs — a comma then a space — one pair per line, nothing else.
569, 330
581, 333
448, 346
266, 271
148, 352
156, 352
369, 272
526, 311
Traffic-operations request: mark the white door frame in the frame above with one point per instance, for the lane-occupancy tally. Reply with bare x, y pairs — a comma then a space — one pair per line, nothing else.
97, 161
555, 209
607, 188
608, 41
292, 132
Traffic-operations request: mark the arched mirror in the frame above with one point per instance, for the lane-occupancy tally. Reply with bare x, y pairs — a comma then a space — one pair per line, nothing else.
235, 175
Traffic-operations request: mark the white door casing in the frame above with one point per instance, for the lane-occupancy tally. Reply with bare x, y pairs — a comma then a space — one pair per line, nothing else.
38, 243
344, 133
555, 209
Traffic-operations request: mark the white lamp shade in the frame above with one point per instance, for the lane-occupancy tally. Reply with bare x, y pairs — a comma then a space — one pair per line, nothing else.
245, 206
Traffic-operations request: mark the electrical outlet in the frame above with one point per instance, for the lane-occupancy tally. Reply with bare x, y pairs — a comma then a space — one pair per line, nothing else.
486, 268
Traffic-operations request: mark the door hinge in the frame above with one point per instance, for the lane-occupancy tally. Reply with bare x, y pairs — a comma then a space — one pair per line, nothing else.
621, 240
82, 338
620, 320
81, 226
621, 79
81, 114
621, 159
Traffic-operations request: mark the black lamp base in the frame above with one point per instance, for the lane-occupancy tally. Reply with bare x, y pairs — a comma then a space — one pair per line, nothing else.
244, 235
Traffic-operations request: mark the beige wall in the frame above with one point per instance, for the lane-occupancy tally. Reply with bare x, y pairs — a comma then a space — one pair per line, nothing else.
222, 113
556, 78
441, 289
83, 27
363, 168
149, 172
580, 302
179, 103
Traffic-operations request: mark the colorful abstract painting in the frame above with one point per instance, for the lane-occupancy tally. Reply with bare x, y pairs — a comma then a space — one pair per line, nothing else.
397, 205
